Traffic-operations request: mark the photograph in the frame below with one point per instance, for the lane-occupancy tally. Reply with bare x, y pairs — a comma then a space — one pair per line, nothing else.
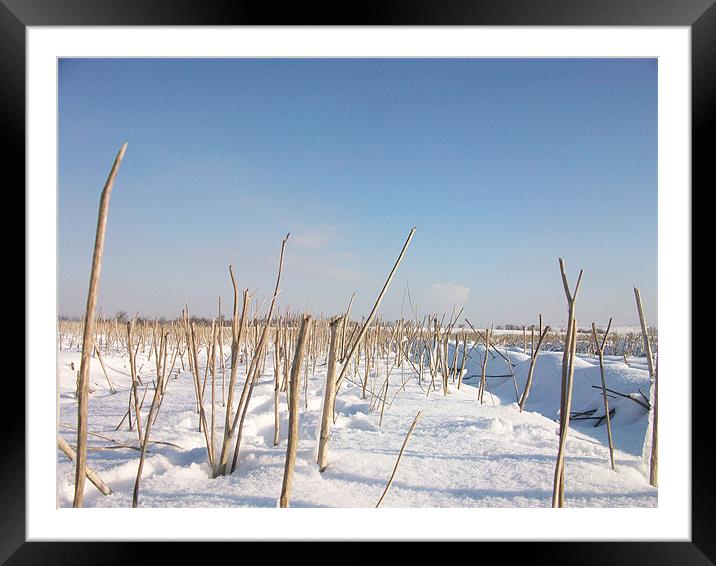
357, 282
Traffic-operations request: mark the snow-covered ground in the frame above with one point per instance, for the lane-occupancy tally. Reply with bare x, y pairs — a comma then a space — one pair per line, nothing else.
461, 454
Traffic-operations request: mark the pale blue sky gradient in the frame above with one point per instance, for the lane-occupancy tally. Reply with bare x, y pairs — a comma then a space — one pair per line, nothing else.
502, 164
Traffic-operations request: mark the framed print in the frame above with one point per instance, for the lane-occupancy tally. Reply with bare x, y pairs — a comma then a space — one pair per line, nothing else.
336, 266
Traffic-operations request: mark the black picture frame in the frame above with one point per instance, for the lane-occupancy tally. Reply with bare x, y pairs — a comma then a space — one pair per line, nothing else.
699, 15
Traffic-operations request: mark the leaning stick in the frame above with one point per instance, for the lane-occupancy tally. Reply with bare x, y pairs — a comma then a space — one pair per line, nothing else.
104, 370
252, 373
530, 371
361, 334
645, 335
145, 441
87, 336
91, 474
400, 455
117, 442
646, 405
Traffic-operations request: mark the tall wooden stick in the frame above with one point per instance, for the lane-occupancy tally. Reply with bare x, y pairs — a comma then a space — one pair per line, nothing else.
87, 336
558, 488
570, 345
276, 384
328, 396
292, 445
237, 328
366, 325
653, 460
644, 333
221, 356
212, 367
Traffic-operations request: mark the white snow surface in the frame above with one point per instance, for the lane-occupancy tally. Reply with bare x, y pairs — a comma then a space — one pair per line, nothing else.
461, 453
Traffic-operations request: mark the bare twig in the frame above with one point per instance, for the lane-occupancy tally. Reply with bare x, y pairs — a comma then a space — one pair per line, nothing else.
400, 455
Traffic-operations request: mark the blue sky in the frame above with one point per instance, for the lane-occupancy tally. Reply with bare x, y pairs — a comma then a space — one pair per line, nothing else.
502, 164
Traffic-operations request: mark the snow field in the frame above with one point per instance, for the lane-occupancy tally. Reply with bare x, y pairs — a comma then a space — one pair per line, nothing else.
461, 454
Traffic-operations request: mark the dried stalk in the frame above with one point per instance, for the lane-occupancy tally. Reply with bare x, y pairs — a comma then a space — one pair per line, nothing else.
133, 391
254, 368
346, 362
276, 387
292, 445
530, 371
89, 472
87, 336
600, 351
400, 455
237, 328
145, 441
104, 371
645, 335
653, 460
328, 397
567, 379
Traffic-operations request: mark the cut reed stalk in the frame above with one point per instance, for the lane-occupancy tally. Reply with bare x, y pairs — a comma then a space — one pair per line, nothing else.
292, 444
276, 388
346, 362
89, 472
133, 371
567, 379
530, 371
88, 334
599, 346
400, 455
328, 396
104, 371
145, 442
254, 368
653, 459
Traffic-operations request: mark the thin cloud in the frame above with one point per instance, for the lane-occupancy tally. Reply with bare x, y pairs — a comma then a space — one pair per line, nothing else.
443, 296
314, 238
323, 266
